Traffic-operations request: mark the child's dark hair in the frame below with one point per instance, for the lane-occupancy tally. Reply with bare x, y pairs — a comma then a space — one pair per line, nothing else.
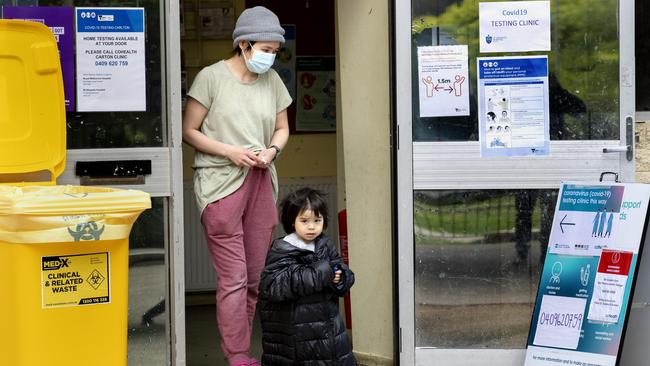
298, 201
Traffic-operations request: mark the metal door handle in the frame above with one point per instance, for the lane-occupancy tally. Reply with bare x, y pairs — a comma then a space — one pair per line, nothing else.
617, 149
629, 140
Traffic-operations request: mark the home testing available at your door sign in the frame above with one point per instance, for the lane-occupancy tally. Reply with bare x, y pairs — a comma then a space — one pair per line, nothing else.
110, 59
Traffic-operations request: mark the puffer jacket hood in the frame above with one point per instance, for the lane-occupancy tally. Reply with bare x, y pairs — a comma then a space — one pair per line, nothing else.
299, 308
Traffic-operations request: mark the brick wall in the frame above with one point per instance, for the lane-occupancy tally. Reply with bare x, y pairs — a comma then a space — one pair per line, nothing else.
643, 152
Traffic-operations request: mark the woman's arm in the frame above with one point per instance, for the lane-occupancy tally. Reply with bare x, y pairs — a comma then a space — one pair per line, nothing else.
195, 113
279, 138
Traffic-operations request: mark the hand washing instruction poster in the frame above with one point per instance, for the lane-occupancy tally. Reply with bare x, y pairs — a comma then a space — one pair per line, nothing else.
588, 276
515, 26
110, 59
513, 105
316, 104
443, 81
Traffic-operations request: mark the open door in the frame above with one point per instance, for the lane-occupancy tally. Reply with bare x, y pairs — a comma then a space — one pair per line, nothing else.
473, 230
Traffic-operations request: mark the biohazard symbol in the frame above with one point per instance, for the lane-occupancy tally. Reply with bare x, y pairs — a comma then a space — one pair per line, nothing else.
95, 279
86, 231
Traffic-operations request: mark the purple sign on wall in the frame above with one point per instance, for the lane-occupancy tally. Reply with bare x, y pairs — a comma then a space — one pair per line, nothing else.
61, 21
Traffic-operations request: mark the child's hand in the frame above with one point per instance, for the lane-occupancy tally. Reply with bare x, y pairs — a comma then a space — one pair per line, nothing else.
337, 276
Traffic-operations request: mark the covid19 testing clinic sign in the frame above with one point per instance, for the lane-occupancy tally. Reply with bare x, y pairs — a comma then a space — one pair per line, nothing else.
515, 26
110, 59
588, 276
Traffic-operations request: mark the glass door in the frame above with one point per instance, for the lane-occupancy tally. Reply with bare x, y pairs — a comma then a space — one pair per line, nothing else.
140, 150
473, 230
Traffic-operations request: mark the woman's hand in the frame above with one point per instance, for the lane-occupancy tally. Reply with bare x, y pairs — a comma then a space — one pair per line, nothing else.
265, 157
241, 156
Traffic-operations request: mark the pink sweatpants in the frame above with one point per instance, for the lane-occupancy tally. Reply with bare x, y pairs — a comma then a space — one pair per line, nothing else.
238, 230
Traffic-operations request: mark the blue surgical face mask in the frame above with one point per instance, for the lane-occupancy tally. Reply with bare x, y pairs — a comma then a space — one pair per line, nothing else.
260, 62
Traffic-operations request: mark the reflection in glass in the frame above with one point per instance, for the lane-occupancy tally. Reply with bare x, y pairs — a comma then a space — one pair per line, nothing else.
88, 130
642, 49
477, 259
148, 319
583, 67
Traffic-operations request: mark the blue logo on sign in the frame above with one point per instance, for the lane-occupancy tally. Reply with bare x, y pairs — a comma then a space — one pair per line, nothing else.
488, 39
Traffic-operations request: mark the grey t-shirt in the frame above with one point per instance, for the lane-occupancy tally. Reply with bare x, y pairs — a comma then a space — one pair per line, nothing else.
240, 114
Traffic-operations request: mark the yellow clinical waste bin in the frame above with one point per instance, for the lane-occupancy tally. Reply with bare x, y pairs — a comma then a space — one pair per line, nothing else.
64, 250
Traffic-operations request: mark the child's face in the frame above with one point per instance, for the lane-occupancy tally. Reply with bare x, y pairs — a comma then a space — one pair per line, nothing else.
308, 226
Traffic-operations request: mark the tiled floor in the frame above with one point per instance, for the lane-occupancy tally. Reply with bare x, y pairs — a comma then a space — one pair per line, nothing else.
202, 336
148, 341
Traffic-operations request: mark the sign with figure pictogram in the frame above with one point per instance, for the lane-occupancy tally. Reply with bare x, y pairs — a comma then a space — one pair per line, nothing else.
316, 103
443, 81
587, 282
75, 280
513, 106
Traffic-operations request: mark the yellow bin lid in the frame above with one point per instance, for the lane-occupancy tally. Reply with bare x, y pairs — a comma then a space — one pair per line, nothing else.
32, 104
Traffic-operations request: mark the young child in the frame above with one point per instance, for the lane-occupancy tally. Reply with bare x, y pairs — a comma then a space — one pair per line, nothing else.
299, 289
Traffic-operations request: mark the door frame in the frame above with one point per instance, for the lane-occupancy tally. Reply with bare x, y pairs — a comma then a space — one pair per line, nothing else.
176, 244
418, 166
166, 179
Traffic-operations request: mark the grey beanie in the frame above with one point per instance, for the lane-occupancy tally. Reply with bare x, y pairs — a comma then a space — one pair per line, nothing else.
257, 24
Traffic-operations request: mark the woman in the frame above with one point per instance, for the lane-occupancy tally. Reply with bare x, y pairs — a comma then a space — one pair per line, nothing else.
236, 119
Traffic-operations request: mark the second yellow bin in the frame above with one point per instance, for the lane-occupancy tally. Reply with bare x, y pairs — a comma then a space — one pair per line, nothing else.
64, 274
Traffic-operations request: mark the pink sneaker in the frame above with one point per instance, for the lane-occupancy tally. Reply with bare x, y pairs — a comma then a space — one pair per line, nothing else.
253, 362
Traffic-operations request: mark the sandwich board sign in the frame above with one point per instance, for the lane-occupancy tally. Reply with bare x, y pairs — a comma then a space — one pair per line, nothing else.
589, 273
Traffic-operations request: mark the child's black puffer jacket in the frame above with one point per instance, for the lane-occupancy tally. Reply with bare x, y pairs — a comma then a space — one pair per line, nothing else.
299, 306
